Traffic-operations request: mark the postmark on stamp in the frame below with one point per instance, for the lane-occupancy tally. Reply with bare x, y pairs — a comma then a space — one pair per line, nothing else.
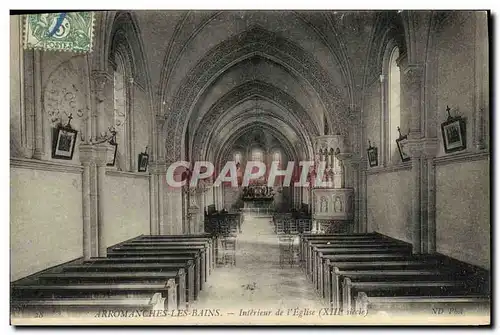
72, 31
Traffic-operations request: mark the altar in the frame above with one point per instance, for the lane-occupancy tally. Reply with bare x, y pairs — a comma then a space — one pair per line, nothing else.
258, 200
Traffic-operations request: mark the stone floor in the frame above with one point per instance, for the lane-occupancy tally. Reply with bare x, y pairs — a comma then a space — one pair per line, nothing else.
257, 280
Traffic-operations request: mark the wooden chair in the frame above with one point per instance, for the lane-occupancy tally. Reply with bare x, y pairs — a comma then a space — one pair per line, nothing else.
286, 247
304, 226
292, 227
280, 226
228, 250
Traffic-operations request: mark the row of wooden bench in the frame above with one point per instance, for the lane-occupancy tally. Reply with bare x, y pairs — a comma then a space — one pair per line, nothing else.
147, 273
375, 273
223, 224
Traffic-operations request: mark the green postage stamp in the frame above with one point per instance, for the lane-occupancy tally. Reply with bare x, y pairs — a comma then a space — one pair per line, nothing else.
59, 31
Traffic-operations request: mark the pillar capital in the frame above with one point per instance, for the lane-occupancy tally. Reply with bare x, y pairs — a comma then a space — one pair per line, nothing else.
100, 79
415, 148
413, 76
87, 153
158, 168
430, 147
160, 120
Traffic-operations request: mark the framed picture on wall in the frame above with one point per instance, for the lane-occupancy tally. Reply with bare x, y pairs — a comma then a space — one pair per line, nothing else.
454, 133
372, 155
402, 143
63, 142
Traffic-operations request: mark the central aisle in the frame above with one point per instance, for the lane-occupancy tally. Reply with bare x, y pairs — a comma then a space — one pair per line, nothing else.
257, 281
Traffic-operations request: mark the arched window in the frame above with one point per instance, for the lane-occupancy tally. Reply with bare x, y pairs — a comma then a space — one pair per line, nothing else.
237, 157
277, 156
257, 155
394, 103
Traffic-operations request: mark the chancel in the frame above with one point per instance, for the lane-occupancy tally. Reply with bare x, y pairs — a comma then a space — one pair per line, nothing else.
252, 166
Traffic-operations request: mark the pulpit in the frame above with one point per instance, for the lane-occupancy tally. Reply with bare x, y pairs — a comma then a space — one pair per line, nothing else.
332, 201
333, 210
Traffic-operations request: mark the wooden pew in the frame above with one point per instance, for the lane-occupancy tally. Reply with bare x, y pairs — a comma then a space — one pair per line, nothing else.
375, 242
309, 248
363, 257
106, 293
85, 307
308, 244
411, 263
382, 275
160, 239
318, 253
151, 260
172, 251
304, 238
350, 289
171, 246
390, 305
160, 278
188, 266
158, 243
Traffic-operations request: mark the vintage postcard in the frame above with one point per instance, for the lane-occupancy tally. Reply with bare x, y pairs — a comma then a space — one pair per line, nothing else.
202, 167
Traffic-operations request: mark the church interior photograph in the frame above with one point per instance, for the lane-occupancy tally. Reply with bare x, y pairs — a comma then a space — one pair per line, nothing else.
320, 167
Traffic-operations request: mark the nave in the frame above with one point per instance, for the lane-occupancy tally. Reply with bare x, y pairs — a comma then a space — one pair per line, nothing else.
258, 280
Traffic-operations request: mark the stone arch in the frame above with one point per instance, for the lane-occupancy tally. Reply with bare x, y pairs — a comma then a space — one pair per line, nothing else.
117, 33
317, 24
301, 150
224, 54
302, 142
249, 90
389, 29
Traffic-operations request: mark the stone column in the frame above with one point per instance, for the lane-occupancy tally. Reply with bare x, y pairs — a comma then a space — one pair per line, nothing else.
431, 209
154, 195
131, 125
174, 218
87, 158
412, 84
219, 197
101, 154
355, 178
171, 200
29, 100
201, 213
416, 187
363, 197
162, 226
100, 79
94, 208
383, 127
481, 78
37, 87
153, 204
430, 148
